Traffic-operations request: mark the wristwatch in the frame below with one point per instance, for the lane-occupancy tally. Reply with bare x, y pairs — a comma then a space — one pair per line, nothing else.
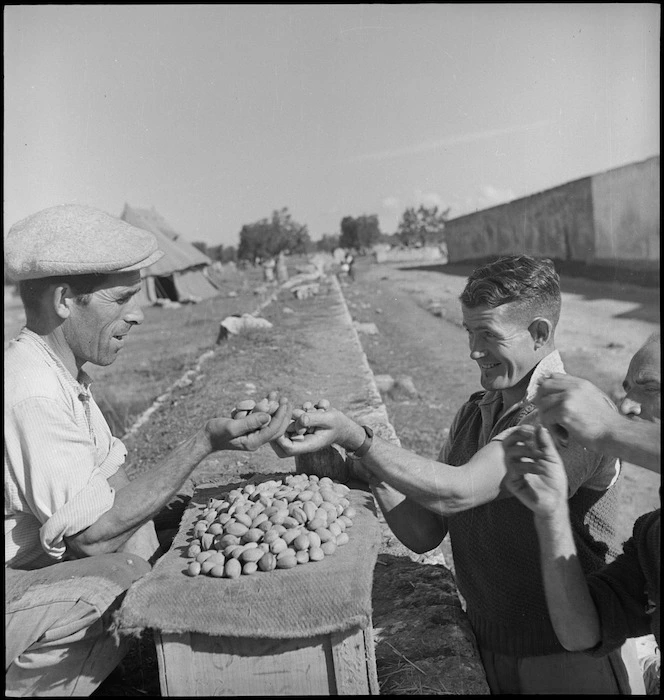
364, 447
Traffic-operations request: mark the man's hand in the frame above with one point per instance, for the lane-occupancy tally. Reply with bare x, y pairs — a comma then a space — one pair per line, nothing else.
249, 433
577, 405
329, 427
535, 472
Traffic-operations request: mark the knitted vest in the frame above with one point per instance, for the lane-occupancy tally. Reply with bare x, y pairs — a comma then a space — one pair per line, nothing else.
496, 552
627, 593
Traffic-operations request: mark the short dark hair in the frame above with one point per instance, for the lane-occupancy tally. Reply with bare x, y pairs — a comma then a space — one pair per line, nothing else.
31, 291
531, 283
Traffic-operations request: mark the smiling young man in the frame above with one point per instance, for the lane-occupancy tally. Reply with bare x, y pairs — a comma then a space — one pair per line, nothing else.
78, 533
510, 310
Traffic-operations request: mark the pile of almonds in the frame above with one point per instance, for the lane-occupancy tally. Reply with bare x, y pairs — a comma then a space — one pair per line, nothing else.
269, 404
294, 433
270, 525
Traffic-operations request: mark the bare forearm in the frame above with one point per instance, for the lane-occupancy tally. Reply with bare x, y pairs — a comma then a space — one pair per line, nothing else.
636, 442
140, 500
571, 607
440, 488
417, 528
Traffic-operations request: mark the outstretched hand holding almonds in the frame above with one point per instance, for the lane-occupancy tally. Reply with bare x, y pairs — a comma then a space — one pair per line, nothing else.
252, 424
315, 427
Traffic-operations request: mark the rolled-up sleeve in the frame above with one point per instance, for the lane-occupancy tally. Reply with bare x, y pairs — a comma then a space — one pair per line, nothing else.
54, 464
115, 458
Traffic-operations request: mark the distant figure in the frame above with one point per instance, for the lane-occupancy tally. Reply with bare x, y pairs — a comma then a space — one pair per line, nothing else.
282, 270
268, 270
350, 262
347, 266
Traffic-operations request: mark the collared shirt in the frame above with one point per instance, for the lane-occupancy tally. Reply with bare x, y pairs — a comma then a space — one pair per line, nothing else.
494, 428
495, 544
59, 454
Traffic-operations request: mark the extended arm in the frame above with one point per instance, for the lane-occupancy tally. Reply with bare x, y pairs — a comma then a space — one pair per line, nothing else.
635, 442
140, 500
591, 418
536, 476
416, 494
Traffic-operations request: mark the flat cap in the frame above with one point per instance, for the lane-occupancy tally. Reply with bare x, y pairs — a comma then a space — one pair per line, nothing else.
71, 239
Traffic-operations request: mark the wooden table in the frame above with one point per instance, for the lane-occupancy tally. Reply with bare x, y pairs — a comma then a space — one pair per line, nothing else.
302, 631
333, 664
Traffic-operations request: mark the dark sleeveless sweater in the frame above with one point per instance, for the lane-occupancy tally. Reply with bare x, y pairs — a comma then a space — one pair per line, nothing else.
496, 550
627, 591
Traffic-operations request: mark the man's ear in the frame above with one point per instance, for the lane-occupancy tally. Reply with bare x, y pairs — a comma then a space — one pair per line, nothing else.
541, 331
62, 299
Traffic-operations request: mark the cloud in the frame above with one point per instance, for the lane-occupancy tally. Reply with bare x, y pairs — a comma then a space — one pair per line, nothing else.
486, 197
449, 141
490, 196
391, 203
428, 199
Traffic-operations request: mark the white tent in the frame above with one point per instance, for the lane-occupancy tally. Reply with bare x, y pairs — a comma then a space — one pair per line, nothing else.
180, 274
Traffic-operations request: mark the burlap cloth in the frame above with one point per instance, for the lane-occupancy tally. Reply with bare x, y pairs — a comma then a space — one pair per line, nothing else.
332, 595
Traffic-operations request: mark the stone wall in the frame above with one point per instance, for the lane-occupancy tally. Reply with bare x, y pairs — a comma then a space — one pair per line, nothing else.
611, 218
556, 223
626, 212
423, 254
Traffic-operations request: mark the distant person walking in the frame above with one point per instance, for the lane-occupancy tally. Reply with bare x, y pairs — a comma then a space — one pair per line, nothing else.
268, 270
350, 261
348, 266
282, 270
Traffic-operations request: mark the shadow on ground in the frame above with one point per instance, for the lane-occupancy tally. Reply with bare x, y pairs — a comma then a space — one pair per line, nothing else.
638, 286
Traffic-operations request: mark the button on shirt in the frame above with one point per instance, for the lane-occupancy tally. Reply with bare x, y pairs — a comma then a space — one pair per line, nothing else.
59, 454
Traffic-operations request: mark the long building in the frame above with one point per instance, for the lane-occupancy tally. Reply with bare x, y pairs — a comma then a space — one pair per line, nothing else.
610, 219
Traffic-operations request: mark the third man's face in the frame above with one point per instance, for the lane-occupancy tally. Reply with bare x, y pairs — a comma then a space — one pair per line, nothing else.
643, 384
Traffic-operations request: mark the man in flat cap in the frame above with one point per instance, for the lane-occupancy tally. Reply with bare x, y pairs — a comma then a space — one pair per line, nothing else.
77, 532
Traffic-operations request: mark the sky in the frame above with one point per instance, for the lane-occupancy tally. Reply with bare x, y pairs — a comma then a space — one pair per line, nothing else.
216, 115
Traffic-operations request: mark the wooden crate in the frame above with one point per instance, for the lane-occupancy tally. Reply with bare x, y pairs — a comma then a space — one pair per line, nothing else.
334, 664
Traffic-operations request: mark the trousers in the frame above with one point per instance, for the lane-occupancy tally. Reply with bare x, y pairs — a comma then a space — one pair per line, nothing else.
566, 673
58, 640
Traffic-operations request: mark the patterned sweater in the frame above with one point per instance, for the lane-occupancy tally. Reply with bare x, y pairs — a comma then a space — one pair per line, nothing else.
495, 546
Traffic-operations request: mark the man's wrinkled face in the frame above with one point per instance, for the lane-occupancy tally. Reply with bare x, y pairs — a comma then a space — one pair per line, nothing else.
643, 384
96, 331
501, 344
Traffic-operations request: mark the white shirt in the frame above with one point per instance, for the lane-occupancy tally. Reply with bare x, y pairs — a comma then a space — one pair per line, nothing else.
59, 454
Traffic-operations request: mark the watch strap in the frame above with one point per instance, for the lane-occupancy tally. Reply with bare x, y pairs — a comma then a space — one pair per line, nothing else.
365, 446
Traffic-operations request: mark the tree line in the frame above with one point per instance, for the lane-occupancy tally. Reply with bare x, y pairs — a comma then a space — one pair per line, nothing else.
266, 238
